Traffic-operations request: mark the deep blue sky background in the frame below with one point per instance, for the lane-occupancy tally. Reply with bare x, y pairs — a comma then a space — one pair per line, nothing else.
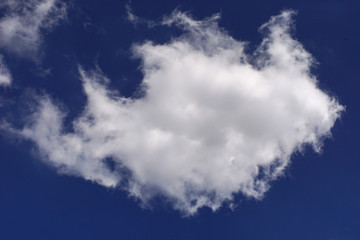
318, 198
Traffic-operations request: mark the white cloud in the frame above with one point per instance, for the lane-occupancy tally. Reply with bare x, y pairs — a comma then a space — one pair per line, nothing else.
23, 22
131, 17
134, 19
213, 121
5, 75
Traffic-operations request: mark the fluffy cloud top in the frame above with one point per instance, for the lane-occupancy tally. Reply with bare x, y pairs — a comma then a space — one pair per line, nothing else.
213, 120
5, 75
23, 21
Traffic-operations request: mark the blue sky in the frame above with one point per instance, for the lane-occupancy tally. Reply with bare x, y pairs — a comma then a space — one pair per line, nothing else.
179, 120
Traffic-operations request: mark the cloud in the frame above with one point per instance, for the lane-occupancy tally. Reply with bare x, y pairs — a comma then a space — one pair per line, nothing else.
213, 121
135, 20
23, 23
5, 75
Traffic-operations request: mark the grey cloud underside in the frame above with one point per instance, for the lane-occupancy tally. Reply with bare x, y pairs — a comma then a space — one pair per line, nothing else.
209, 123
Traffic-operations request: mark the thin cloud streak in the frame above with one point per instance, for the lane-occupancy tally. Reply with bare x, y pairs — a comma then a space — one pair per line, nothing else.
136, 20
5, 75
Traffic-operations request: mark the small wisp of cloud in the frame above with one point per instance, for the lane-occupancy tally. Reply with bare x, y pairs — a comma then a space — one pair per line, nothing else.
136, 20
5, 75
